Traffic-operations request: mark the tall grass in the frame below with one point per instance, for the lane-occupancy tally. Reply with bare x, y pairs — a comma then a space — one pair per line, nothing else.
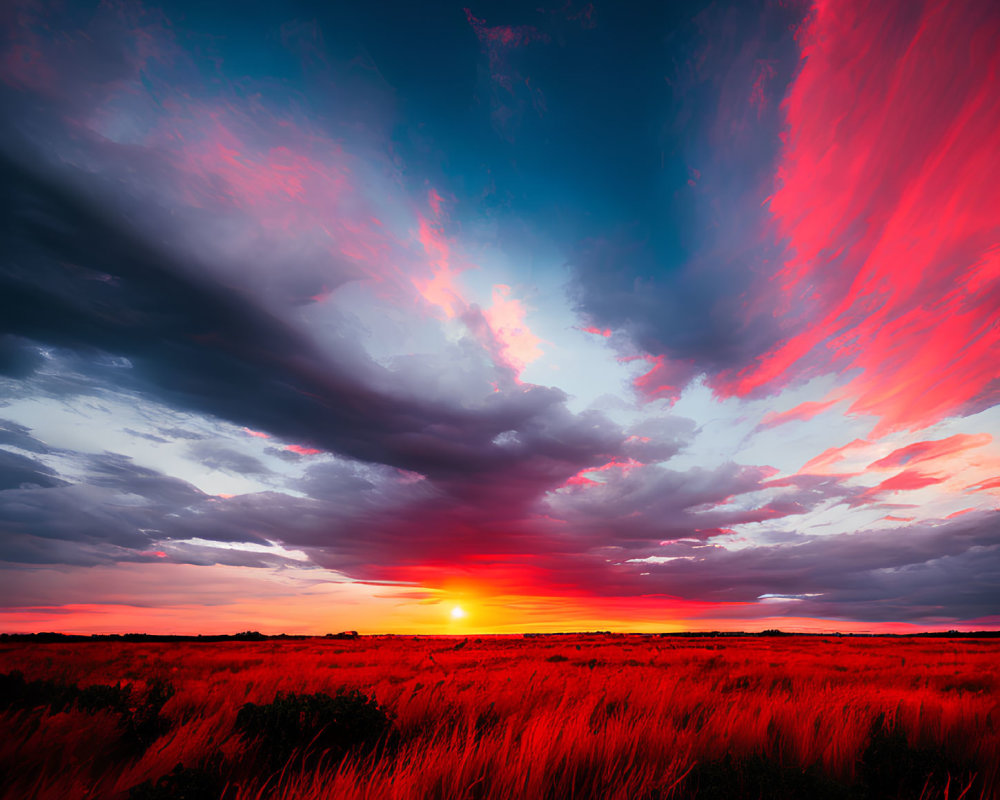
610, 717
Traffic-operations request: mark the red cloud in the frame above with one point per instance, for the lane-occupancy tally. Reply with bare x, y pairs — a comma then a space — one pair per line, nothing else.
831, 456
803, 412
992, 483
303, 451
665, 379
907, 480
928, 451
887, 197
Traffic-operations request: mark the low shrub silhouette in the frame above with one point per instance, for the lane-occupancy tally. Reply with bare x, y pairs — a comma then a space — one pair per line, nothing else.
891, 767
316, 722
183, 783
138, 716
142, 723
759, 778
18, 693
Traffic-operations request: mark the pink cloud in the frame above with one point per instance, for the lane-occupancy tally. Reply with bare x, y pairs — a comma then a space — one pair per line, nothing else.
932, 450
440, 289
666, 379
821, 463
886, 194
302, 450
906, 481
435, 201
992, 483
506, 318
803, 412
764, 71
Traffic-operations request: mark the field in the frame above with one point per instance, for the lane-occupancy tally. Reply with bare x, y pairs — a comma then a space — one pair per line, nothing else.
581, 716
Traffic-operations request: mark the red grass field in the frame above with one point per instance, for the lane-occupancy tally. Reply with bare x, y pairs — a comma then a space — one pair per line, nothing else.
546, 717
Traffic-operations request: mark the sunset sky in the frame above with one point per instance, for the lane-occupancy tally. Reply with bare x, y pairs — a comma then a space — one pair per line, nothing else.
619, 316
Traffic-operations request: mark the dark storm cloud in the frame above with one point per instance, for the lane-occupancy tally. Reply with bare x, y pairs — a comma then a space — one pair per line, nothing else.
690, 313
77, 279
121, 474
633, 507
659, 439
17, 470
931, 572
75, 524
672, 266
20, 436
377, 523
945, 569
18, 357
117, 510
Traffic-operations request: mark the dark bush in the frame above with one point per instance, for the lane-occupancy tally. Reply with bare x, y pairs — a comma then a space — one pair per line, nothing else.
139, 718
18, 693
184, 783
891, 767
317, 722
141, 722
760, 778
99, 697
556, 659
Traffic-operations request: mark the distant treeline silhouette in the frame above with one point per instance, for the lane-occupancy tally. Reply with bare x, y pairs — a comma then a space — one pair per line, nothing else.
256, 636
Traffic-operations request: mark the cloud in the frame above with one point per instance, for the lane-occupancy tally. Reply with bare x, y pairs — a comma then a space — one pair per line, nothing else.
937, 571
639, 506
921, 452
803, 412
855, 244
18, 358
14, 435
891, 268
193, 344
18, 471
315, 285
510, 91
218, 456
681, 291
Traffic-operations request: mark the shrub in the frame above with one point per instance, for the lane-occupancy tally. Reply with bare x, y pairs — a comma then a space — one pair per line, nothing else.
349, 720
139, 718
99, 697
891, 767
756, 776
18, 693
141, 722
184, 783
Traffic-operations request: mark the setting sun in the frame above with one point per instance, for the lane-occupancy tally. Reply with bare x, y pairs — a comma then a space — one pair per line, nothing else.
457, 612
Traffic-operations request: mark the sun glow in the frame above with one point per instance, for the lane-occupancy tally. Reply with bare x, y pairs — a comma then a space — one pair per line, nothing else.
457, 612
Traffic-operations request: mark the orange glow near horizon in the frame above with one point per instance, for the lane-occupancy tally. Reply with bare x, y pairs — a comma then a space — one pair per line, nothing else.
380, 609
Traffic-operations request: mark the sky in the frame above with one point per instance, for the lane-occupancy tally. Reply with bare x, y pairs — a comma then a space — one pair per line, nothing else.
582, 316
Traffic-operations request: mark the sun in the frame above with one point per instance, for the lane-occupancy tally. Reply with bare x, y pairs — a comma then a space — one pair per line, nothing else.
457, 612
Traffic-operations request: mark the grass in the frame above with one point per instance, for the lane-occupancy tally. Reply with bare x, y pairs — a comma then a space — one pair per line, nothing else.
503, 717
